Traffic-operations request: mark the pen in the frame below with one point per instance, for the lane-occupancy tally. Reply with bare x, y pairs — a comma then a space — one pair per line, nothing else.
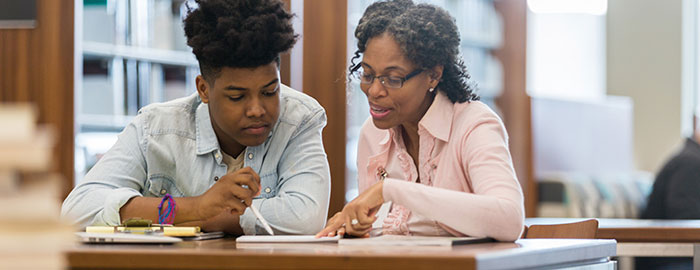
262, 220
259, 216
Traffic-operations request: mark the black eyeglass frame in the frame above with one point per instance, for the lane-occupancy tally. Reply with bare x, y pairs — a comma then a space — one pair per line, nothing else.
383, 79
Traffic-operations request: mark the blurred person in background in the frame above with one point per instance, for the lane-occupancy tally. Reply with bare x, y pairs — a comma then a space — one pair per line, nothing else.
676, 195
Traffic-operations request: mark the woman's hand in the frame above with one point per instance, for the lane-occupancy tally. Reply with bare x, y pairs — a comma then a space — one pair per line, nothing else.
357, 216
335, 225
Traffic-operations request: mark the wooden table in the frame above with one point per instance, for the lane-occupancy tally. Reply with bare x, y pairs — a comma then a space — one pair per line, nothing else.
645, 237
226, 254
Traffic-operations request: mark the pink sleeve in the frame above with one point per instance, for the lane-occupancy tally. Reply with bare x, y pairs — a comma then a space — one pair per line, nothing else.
495, 209
363, 152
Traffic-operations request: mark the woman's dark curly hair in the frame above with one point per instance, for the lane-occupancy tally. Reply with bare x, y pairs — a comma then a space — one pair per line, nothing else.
427, 35
238, 33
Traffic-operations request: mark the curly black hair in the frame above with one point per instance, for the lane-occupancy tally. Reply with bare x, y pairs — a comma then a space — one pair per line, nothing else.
427, 35
238, 33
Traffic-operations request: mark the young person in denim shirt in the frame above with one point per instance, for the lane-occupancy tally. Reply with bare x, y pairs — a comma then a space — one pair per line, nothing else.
242, 139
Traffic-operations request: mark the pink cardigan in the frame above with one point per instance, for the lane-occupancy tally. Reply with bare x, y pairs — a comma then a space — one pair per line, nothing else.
467, 182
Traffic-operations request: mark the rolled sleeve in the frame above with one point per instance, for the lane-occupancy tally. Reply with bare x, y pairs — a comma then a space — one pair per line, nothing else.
114, 201
117, 177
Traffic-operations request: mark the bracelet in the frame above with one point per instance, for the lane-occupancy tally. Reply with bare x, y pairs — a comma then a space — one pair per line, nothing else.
166, 216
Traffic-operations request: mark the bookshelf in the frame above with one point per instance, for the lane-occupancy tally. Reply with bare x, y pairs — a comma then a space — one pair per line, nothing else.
481, 30
133, 53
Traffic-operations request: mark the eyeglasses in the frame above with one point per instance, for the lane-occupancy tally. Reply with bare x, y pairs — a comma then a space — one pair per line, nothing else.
388, 81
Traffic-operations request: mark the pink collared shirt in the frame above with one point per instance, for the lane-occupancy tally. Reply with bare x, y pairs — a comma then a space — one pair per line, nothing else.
467, 182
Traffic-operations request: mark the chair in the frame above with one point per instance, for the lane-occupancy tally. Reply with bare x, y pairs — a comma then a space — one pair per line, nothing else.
586, 229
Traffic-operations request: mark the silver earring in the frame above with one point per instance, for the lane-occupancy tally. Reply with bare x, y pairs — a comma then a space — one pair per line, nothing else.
431, 89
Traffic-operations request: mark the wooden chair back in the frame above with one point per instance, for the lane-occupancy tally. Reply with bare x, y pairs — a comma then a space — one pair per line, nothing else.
586, 229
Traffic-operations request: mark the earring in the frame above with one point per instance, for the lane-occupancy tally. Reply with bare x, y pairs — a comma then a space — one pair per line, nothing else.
431, 89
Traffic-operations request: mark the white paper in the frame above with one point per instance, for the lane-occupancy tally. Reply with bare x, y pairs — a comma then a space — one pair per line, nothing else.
285, 239
381, 215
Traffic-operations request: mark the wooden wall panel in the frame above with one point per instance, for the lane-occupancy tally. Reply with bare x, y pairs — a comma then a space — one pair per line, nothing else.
515, 102
36, 65
285, 73
325, 26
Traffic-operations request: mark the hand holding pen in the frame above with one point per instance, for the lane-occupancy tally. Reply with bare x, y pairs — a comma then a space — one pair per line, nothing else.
233, 192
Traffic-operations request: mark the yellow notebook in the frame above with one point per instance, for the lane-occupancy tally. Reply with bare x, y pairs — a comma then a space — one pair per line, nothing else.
167, 230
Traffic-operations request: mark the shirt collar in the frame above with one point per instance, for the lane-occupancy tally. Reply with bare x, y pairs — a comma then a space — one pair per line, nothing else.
438, 119
387, 137
206, 138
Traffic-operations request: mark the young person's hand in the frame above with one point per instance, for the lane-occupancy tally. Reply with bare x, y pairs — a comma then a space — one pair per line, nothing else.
357, 216
233, 193
224, 222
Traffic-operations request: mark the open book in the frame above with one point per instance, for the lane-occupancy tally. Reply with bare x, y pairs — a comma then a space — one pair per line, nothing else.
404, 240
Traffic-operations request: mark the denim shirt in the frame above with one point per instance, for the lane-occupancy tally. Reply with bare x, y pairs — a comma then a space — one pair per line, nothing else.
172, 148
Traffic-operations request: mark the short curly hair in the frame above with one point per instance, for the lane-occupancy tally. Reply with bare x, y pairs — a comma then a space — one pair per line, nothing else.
238, 33
428, 36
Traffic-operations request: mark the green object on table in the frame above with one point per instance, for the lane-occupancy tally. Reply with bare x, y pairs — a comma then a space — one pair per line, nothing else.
137, 222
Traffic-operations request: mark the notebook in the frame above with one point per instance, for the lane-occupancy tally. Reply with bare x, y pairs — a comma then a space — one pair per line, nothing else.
125, 238
166, 230
285, 239
204, 236
404, 240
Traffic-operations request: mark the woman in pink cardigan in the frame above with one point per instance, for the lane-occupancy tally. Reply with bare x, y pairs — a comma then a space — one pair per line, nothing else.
431, 148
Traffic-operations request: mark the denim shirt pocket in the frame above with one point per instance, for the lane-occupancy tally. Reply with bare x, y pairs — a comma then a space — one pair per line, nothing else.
159, 185
268, 184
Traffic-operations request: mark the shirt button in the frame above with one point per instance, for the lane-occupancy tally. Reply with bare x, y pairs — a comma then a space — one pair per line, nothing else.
250, 155
216, 178
163, 191
267, 190
217, 155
